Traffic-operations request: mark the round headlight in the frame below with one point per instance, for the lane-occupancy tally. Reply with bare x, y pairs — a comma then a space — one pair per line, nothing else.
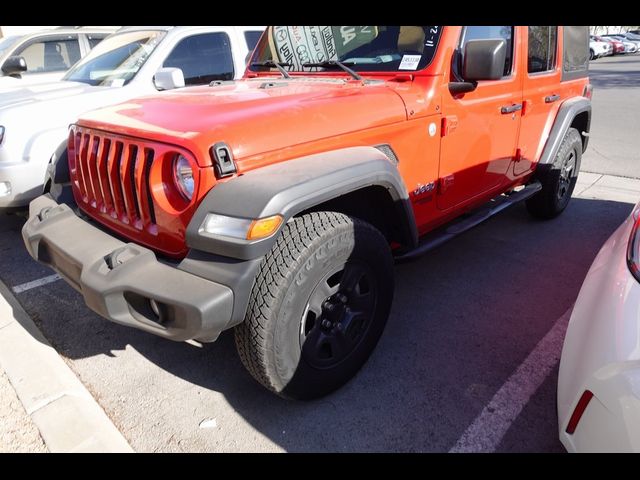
183, 176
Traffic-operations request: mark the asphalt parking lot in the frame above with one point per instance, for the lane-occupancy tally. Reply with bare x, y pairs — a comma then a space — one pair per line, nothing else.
465, 318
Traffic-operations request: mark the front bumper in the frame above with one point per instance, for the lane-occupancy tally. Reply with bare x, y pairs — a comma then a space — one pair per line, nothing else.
601, 353
25, 180
125, 282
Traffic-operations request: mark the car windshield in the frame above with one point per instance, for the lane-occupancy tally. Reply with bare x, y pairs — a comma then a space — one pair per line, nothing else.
7, 42
116, 60
361, 48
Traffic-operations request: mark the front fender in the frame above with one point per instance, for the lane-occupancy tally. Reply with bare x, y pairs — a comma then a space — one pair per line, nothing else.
290, 187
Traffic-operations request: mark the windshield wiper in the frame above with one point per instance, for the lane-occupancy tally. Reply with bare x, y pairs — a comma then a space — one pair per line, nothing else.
278, 65
335, 63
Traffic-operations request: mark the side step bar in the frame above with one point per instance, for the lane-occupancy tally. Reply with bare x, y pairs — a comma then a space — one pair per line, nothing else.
437, 239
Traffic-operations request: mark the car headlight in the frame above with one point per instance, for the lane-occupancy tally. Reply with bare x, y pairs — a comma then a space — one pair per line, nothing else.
1, 134
183, 176
240, 228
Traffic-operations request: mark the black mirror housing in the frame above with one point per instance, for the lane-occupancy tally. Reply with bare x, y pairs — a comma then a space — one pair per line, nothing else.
484, 60
14, 65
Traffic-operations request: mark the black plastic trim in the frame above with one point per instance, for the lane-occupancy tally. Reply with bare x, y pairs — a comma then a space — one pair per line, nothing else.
290, 187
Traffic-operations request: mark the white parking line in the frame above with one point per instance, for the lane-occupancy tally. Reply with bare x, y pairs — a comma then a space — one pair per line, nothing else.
23, 287
488, 429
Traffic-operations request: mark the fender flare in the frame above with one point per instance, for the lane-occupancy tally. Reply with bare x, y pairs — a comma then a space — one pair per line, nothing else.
290, 187
566, 114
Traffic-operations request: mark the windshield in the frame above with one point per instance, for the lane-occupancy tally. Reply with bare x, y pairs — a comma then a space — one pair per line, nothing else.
362, 48
7, 42
116, 60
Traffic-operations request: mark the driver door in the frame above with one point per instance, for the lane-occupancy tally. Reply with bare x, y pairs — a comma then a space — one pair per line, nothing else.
481, 127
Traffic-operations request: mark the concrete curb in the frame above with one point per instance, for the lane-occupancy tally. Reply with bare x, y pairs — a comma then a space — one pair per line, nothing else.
68, 417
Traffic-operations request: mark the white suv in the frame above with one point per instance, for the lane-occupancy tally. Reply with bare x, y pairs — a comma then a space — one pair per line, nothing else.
45, 56
136, 61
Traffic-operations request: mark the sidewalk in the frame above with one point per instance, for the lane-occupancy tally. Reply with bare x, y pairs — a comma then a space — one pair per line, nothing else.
18, 434
53, 398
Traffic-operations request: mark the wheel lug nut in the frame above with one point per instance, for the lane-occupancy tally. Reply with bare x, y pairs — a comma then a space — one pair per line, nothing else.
326, 324
342, 298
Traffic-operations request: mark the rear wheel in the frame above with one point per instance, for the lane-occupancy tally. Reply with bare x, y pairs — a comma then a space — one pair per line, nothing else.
558, 180
318, 306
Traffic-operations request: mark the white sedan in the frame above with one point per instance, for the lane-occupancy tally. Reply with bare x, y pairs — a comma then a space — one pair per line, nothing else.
599, 379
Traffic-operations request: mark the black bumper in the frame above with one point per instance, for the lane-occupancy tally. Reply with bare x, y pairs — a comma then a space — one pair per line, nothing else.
125, 282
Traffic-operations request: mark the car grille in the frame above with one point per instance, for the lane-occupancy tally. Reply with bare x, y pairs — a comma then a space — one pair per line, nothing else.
126, 184
113, 177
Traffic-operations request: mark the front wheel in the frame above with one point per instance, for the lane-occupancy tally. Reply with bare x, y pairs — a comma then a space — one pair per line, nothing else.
558, 180
318, 306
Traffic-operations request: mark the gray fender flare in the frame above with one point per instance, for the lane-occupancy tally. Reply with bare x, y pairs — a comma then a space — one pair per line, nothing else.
566, 114
290, 187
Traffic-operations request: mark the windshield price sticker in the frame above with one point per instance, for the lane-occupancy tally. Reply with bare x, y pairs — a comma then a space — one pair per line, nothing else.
409, 62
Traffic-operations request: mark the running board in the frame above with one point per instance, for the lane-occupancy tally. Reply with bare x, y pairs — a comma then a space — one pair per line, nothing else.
468, 223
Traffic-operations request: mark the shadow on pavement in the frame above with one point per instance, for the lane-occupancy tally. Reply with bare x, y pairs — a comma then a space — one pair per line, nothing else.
464, 317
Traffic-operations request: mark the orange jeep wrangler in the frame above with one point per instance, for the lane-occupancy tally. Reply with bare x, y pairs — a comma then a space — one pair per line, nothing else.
277, 204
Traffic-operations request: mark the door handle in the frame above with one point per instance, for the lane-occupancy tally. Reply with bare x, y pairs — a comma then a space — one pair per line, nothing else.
551, 98
511, 108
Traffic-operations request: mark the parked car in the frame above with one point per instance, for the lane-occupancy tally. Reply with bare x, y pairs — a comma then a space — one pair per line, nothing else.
277, 204
629, 46
46, 56
599, 49
598, 394
135, 61
633, 37
618, 46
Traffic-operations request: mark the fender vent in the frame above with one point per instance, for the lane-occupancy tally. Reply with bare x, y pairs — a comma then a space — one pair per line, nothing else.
388, 152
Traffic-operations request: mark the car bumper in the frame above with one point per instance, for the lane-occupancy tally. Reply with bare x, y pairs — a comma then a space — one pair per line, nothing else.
24, 181
601, 353
125, 282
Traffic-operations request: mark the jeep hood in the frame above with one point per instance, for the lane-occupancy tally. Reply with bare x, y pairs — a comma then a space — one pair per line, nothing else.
253, 116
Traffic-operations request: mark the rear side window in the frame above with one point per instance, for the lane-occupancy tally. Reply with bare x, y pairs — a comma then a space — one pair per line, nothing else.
203, 58
252, 37
51, 55
542, 49
575, 62
484, 32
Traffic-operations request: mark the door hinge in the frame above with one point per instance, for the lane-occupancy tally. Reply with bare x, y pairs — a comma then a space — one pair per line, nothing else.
445, 183
449, 125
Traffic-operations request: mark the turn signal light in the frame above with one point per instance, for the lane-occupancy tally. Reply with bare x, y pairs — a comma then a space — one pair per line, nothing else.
264, 227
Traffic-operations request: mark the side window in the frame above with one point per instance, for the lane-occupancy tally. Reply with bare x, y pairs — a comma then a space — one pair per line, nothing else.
252, 37
542, 49
484, 32
51, 55
575, 54
203, 58
94, 39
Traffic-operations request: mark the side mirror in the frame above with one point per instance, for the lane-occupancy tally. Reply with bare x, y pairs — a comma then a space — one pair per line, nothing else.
14, 66
168, 79
484, 60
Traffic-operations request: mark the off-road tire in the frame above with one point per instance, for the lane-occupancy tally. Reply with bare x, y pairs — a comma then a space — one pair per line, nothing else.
558, 179
277, 341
